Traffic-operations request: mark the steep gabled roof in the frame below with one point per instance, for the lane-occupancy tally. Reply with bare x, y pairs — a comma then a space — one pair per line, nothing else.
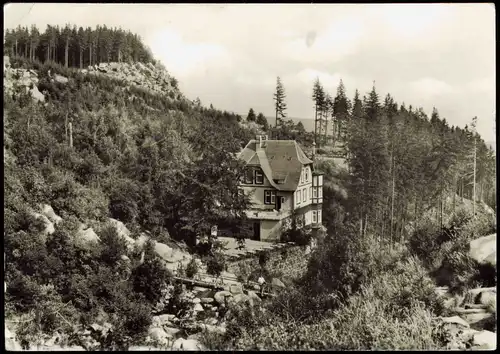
280, 160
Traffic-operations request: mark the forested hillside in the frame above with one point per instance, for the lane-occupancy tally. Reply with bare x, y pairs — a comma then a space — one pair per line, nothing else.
94, 147
74, 46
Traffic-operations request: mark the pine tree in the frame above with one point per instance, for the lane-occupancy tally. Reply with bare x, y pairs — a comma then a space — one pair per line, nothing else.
319, 99
66, 37
262, 121
372, 105
251, 116
341, 110
279, 101
34, 41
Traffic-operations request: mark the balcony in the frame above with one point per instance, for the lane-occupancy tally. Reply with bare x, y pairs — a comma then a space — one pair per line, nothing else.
268, 214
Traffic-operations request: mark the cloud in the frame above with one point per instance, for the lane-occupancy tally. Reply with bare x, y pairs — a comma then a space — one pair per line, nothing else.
430, 88
412, 21
185, 58
486, 84
330, 82
336, 42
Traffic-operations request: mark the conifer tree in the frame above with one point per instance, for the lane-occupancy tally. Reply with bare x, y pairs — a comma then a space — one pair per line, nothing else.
262, 120
251, 116
341, 110
279, 101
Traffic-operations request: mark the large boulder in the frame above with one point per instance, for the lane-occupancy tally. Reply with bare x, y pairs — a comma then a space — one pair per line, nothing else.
6, 62
85, 236
159, 335
187, 344
49, 226
61, 79
484, 340
50, 213
487, 298
455, 320
122, 231
162, 320
10, 341
276, 283
484, 249
236, 289
221, 295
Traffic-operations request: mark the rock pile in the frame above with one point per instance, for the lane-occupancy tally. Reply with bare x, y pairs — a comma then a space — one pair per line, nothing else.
21, 78
148, 76
473, 320
206, 312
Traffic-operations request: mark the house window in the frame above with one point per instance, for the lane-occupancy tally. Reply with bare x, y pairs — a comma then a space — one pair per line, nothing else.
297, 197
307, 174
315, 192
304, 195
320, 190
248, 176
315, 217
319, 216
269, 197
259, 177
302, 176
310, 192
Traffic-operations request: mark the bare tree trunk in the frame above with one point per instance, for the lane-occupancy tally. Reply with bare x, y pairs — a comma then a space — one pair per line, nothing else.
81, 58
66, 48
70, 134
392, 198
66, 126
315, 125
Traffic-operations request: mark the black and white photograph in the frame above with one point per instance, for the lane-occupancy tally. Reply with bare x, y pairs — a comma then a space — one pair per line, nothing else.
249, 176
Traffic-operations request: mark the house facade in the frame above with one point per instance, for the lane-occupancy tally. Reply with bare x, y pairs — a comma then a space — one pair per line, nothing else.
280, 180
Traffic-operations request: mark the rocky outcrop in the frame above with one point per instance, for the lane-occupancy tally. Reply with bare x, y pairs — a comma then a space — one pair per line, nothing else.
86, 235
473, 319
484, 249
50, 213
123, 232
150, 77
19, 80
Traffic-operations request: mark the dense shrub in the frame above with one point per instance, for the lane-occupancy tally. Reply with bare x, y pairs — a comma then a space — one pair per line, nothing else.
150, 278
343, 262
391, 311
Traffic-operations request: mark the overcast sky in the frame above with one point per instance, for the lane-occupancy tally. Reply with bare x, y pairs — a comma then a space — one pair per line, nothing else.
229, 55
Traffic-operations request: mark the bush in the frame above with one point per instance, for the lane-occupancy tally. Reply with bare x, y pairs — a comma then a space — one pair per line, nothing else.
192, 268
388, 312
343, 262
150, 278
215, 264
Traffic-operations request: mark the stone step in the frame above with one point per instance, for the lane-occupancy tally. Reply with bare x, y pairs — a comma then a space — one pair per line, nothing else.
460, 310
475, 306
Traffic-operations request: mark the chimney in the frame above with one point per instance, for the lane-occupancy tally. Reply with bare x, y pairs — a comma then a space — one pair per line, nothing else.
261, 139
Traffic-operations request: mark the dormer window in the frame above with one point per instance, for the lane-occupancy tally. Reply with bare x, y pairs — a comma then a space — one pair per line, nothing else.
248, 176
259, 177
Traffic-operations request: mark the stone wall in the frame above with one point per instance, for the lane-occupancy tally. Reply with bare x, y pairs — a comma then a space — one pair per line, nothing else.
290, 261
